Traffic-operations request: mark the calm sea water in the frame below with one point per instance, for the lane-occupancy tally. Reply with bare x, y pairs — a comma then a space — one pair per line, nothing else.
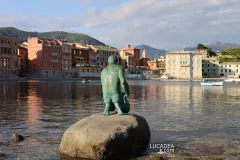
182, 113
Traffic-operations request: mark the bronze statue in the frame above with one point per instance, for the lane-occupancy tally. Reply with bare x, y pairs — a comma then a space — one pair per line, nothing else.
115, 87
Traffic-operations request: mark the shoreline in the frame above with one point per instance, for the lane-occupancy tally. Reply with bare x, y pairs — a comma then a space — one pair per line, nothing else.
188, 79
98, 79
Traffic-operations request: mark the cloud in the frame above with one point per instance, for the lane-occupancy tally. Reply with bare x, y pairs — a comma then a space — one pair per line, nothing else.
86, 2
168, 24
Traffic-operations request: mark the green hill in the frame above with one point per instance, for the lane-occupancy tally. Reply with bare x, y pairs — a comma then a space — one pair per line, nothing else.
70, 37
234, 52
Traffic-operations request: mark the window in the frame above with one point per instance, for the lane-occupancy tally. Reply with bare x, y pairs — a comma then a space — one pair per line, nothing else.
229, 65
229, 70
208, 65
237, 65
221, 70
225, 70
236, 70
53, 72
213, 65
213, 70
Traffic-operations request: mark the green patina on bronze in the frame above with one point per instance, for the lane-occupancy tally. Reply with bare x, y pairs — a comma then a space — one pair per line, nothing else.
114, 87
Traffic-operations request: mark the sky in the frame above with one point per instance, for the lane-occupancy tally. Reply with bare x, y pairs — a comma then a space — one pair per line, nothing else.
163, 24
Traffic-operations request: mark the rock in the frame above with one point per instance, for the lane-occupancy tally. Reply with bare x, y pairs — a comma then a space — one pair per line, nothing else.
157, 158
106, 137
17, 138
2, 154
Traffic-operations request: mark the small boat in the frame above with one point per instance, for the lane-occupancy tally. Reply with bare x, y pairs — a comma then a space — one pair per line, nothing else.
86, 81
212, 83
166, 76
232, 80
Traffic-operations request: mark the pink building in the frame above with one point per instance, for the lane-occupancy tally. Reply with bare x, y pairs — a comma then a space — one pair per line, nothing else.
49, 58
135, 53
8, 56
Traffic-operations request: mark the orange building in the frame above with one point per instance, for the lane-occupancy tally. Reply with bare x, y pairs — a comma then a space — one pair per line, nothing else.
49, 58
134, 52
101, 53
23, 57
80, 54
203, 52
8, 56
159, 67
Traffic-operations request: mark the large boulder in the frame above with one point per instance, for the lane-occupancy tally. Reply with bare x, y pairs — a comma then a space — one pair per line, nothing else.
106, 137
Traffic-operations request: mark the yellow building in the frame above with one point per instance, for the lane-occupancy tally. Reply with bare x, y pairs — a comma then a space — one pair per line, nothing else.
126, 60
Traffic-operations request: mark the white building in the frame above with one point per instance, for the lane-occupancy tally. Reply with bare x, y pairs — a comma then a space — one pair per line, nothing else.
184, 64
229, 69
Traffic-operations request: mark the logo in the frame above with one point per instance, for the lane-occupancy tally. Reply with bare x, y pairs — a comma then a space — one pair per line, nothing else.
162, 149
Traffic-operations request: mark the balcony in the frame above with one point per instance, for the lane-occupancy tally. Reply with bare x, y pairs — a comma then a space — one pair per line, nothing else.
66, 58
185, 65
78, 57
54, 54
66, 64
54, 61
67, 51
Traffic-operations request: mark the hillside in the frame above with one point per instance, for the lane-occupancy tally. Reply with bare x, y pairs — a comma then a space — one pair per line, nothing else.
152, 52
70, 37
217, 46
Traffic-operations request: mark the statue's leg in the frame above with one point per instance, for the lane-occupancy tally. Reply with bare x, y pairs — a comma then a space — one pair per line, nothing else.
118, 109
106, 110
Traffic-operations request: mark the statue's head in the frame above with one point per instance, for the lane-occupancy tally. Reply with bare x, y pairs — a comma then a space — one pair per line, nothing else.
112, 59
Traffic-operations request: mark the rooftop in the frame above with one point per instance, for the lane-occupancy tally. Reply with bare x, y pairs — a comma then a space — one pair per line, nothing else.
106, 48
80, 46
211, 59
223, 63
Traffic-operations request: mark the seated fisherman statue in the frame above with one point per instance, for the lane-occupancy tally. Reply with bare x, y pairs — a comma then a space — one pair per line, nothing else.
114, 87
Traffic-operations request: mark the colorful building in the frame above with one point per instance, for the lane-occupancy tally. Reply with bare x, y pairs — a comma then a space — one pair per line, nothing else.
49, 58
66, 57
184, 64
135, 52
80, 55
210, 67
102, 53
204, 52
8, 56
126, 60
23, 57
144, 60
229, 69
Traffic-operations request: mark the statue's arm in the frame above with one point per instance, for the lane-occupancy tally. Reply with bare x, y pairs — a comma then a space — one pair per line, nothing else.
123, 81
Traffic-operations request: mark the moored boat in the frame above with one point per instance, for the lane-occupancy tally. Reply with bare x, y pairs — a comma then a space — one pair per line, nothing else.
211, 83
86, 81
232, 80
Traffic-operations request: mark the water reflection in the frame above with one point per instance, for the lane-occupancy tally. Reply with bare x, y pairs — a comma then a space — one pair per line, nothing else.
175, 111
33, 103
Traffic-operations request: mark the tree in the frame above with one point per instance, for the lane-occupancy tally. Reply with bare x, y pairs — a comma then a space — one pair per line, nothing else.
201, 46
